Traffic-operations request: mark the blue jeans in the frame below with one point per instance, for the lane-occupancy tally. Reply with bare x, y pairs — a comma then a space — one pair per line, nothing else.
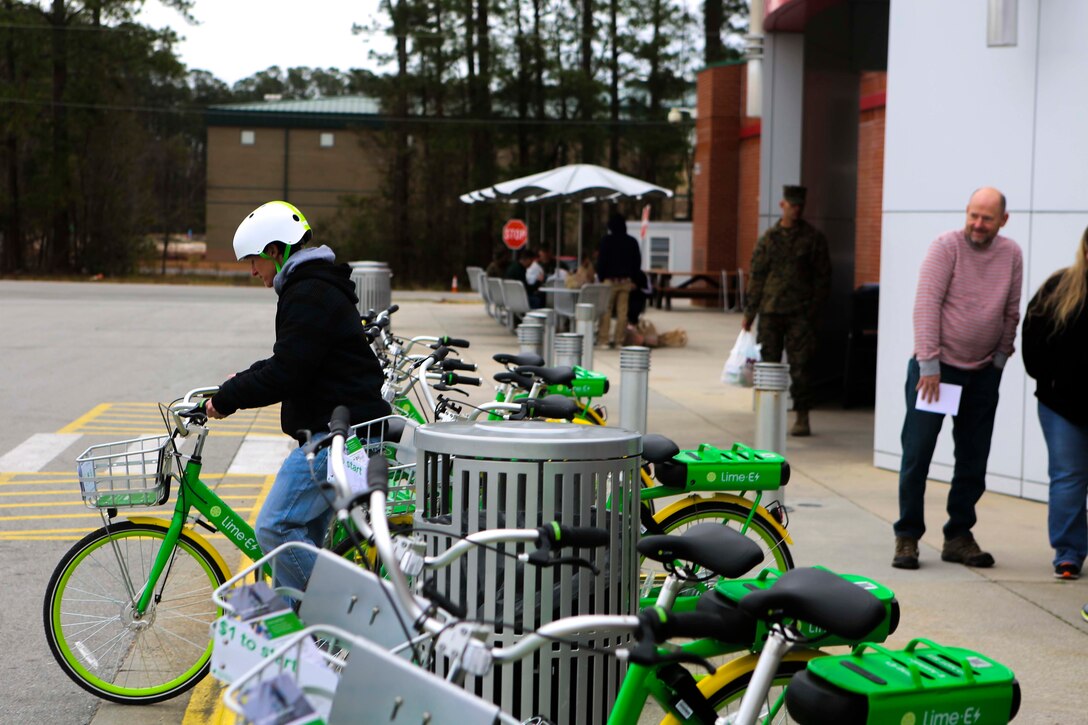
295, 510
972, 428
1067, 449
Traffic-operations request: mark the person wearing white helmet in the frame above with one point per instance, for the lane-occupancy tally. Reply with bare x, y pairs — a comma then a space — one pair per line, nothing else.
321, 359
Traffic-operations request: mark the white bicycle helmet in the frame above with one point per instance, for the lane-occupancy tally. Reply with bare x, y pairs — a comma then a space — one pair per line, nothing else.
276, 221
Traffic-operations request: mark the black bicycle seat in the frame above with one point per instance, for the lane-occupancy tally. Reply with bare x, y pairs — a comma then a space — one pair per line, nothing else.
507, 358
657, 448
712, 546
818, 597
563, 375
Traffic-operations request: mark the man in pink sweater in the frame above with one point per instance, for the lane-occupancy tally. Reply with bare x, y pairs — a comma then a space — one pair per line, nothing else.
966, 313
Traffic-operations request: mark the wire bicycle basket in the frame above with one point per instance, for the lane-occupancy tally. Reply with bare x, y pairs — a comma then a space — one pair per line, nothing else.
134, 472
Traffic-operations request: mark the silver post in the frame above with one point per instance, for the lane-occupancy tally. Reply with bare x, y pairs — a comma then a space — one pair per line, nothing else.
530, 337
634, 387
771, 383
568, 349
547, 320
585, 322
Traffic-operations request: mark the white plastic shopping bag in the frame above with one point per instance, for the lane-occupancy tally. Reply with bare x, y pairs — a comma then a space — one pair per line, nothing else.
740, 366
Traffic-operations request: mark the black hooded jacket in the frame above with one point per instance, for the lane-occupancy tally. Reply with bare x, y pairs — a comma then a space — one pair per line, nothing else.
619, 256
321, 358
1057, 360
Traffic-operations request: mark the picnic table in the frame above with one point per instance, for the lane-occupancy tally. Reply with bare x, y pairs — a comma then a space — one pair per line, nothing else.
699, 284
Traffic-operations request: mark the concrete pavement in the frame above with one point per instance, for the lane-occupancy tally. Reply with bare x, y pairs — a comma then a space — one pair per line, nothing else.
842, 508
841, 511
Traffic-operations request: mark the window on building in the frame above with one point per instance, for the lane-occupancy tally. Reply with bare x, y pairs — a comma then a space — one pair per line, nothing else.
660, 252
249, 138
327, 140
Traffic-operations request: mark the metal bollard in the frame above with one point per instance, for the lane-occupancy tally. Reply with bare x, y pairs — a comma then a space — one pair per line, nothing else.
634, 387
547, 318
771, 383
530, 337
568, 349
585, 323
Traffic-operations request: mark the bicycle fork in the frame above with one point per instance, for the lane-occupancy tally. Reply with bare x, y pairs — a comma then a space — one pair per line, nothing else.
776, 647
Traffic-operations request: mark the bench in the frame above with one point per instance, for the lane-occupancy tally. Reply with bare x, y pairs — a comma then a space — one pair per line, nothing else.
666, 294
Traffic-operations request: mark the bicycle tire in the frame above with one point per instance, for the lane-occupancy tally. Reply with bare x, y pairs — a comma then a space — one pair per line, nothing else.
119, 659
725, 689
695, 510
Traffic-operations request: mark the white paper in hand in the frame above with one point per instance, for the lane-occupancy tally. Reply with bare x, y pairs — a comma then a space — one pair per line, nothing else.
947, 403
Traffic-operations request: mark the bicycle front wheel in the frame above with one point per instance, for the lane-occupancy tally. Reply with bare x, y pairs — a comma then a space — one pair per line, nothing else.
725, 689
91, 627
677, 518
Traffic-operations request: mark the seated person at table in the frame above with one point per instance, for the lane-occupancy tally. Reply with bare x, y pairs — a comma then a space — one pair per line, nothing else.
499, 262
583, 275
520, 270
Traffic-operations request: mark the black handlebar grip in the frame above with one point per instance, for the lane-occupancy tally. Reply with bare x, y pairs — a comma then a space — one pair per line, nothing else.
453, 341
458, 365
585, 537
440, 353
455, 379
693, 625
391, 309
377, 473
340, 421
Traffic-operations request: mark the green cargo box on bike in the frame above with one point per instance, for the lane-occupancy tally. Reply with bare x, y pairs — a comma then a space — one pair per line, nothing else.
586, 384
923, 683
708, 468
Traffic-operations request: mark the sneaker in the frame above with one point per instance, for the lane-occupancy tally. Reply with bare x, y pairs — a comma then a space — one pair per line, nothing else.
906, 553
1084, 612
964, 550
1067, 571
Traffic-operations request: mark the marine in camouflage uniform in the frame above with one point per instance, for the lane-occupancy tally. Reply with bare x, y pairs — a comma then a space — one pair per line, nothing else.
788, 286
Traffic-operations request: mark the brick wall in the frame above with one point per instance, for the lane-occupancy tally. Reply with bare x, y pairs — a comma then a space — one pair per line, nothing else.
242, 177
870, 178
714, 221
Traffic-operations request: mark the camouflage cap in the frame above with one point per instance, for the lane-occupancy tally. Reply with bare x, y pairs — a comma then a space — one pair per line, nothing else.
794, 194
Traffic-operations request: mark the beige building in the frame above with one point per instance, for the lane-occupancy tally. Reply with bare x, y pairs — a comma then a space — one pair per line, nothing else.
308, 152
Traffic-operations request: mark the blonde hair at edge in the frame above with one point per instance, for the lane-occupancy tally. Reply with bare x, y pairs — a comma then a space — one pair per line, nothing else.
1069, 295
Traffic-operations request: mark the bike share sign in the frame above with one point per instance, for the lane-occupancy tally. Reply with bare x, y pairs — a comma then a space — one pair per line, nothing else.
515, 234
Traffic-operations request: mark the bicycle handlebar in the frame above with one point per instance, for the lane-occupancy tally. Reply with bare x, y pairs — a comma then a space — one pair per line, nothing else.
447, 341
459, 365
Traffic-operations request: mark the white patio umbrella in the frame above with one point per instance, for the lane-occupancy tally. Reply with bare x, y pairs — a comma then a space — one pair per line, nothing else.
585, 183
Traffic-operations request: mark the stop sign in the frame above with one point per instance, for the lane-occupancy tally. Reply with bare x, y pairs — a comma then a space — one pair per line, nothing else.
515, 234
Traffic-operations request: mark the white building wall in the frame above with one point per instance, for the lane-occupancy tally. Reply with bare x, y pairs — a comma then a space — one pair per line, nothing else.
962, 115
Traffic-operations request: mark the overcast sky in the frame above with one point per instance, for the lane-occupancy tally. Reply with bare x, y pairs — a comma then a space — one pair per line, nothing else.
237, 38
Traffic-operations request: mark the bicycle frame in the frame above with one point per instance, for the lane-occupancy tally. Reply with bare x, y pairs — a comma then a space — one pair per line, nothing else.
195, 494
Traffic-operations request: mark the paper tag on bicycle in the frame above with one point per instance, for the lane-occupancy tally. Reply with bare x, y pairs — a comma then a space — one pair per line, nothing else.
355, 466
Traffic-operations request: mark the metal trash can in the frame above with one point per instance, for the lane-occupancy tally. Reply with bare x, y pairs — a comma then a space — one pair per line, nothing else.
491, 474
372, 285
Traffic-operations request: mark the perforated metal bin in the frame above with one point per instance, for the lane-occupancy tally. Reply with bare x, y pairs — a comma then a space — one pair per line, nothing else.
373, 285
486, 475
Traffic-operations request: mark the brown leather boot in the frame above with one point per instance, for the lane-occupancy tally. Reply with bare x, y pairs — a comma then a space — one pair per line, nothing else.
800, 427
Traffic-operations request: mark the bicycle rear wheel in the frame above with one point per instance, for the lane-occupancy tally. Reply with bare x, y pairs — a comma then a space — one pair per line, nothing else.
89, 622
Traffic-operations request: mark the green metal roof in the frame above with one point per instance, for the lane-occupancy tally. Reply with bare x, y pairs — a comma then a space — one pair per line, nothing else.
332, 112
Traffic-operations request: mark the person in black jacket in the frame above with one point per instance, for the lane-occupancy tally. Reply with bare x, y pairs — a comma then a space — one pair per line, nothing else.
619, 259
321, 359
1056, 355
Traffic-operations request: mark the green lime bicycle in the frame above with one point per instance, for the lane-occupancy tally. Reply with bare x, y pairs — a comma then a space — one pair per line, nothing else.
127, 610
